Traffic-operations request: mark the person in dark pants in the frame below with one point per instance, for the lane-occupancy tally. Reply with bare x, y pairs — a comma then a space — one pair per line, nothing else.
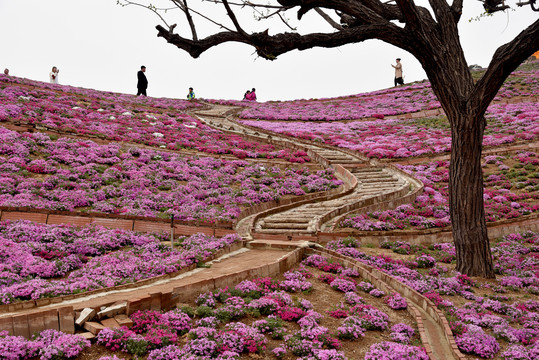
398, 73
142, 83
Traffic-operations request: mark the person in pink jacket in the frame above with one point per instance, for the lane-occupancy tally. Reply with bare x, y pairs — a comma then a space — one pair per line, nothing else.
252, 95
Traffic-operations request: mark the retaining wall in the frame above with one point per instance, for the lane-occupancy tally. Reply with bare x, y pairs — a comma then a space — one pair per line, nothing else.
434, 236
63, 317
389, 284
31, 304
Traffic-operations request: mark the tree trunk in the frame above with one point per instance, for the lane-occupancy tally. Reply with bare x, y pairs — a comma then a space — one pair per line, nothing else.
466, 196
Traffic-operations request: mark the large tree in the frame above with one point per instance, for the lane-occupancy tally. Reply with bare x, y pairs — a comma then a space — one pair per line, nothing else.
428, 33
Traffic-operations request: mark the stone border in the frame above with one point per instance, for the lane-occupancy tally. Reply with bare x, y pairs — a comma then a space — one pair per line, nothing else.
350, 184
30, 304
63, 318
88, 217
388, 200
403, 198
269, 139
186, 293
44, 217
436, 235
389, 284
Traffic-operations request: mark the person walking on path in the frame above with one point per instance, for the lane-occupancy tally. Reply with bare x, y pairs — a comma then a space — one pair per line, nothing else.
53, 75
398, 73
191, 94
142, 83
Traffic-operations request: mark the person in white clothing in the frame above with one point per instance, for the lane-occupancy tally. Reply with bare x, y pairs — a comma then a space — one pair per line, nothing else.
54, 75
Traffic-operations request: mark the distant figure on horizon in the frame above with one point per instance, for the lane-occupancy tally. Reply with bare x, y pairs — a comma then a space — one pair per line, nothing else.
250, 95
6, 71
191, 94
142, 83
398, 73
53, 75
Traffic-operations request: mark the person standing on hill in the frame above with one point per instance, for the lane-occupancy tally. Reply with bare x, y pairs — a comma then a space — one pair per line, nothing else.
190, 94
398, 73
6, 71
53, 75
142, 83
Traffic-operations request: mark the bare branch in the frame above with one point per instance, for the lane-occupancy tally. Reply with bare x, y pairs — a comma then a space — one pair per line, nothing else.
328, 19
232, 17
411, 14
456, 8
491, 6
189, 20
149, 7
505, 60
269, 47
286, 22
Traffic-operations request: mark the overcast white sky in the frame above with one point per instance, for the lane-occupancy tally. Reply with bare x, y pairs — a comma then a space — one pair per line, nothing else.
98, 44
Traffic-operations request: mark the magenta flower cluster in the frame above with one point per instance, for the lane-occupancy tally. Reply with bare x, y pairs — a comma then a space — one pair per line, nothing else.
51, 260
513, 196
481, 324
81, 175
124, 118
47, 345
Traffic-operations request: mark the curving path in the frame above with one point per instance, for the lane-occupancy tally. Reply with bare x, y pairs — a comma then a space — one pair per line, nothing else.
367, 184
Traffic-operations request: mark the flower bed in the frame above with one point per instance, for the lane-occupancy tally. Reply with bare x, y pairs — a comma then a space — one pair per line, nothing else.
388, 139
523, 82
511, 190
410, 98
47, 345
46, 261
257, 318
489, 318
68, 174
154, 122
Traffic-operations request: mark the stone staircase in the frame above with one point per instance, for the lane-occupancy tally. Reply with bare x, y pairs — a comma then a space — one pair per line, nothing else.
372, 183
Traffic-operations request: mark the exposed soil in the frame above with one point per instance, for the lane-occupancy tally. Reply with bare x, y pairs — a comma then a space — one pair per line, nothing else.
323, 299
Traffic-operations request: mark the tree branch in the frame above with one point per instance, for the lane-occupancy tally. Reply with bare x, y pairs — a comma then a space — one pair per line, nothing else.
185, 9
505, 60
411, 14
456, 8
232, 17
271, 46
328, 19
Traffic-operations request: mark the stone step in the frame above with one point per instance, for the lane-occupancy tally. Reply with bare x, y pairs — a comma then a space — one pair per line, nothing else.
284, 226
283, 219
366, 170
380, 186
381, 174
281, 231
379, 180
344, 162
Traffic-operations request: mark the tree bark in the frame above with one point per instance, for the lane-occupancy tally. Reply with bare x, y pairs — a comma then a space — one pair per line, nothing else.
466, 202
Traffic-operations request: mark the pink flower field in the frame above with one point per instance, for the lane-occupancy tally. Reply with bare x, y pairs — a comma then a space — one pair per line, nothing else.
46, 261
161, 123
511, 191
70, 174
91, 152
393, 139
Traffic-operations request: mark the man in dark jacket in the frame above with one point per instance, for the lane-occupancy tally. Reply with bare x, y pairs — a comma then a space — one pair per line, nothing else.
142, 83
